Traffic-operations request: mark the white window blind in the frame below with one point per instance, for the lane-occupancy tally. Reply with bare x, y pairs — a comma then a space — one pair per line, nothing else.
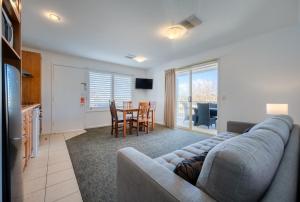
100, 89
107, 86
122, 89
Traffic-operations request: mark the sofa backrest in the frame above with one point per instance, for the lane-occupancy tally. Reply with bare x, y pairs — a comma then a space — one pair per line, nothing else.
285, 118
285, 184
281, 125
242, 168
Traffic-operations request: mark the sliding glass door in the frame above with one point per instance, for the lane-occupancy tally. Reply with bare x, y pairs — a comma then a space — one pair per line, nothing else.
196, 96
183, 98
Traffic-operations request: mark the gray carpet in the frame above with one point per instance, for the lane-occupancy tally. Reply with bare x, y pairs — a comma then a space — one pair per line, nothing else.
93, 156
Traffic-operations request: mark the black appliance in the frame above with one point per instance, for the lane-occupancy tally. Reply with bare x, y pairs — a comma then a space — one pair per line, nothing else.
11, 134
143, 83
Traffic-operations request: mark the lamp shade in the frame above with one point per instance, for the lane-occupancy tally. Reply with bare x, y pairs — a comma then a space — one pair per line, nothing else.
277, 109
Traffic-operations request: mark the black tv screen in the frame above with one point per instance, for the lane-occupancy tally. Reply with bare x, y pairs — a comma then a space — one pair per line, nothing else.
143, 83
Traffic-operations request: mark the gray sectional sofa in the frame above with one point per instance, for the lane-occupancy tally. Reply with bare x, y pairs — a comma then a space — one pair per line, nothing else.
259, 165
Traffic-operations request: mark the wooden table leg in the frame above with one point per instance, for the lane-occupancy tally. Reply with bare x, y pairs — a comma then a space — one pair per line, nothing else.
153, 119
124, 123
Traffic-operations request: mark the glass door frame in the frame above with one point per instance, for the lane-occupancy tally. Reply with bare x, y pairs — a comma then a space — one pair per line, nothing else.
189, 70
187, 101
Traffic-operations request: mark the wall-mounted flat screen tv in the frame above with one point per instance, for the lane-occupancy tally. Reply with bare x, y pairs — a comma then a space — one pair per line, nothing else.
141, 83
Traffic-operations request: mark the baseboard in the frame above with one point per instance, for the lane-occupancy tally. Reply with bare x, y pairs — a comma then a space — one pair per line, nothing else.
160, 123
90, 127
66, 131
98, 126
108, 125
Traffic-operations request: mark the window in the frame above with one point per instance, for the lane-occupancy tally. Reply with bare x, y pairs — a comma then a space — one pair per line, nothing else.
107, 86
122, 89
100, 88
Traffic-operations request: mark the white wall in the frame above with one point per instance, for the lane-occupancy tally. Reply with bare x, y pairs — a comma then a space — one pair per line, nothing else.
299, 11
92, 119
158, 92
264, 69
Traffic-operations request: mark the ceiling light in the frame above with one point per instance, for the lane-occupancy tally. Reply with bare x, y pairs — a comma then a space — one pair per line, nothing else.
54, 17
175, 32
140, 58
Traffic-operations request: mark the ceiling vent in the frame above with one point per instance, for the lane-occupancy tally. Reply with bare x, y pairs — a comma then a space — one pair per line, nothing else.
191, 22
130, 56
137, 58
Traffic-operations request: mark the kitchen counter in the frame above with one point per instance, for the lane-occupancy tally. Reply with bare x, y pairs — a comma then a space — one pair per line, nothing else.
28, 129
29, 107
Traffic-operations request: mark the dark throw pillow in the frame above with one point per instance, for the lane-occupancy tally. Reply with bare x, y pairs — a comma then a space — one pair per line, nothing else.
247, 130
190, 169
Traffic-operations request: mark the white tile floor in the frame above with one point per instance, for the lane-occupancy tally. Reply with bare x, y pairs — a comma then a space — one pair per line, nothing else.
50, 177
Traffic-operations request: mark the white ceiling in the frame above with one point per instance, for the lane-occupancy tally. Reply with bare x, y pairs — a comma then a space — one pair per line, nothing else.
108, 30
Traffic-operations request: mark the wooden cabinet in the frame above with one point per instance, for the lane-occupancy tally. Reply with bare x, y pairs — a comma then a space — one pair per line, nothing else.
27, 132
31, 97
31, 85
11, 54
27, 135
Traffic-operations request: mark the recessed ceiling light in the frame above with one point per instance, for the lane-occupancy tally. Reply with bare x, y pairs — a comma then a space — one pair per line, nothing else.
175, 32
139, 58
54, 17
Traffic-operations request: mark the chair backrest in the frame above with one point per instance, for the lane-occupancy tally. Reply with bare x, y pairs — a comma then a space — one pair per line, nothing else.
113, 110
152, 105
203, 113
143, 110
213, 105
127, 104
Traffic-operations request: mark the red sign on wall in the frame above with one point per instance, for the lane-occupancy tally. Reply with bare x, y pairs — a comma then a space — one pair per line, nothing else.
82, 100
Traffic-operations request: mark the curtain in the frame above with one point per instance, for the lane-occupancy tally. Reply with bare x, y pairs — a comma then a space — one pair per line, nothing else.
170, 85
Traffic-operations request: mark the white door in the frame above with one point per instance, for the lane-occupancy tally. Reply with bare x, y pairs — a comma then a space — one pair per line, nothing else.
68, 88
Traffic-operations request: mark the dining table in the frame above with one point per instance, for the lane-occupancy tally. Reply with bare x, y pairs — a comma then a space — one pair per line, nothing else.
128, 110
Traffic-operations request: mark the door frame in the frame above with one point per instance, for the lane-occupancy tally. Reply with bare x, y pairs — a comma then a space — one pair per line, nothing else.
190, 69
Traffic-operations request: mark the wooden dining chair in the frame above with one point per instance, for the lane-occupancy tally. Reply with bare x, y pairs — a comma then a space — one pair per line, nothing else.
128, 104
116, 123
152, 114
142, 118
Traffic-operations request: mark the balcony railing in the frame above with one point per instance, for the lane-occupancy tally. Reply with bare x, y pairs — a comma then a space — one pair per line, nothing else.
183, 111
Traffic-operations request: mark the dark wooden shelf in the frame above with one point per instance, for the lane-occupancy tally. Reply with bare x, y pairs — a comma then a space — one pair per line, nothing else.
12, 54
12, 10
9, 51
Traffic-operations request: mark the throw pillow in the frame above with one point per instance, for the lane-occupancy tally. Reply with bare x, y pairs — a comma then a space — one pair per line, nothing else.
247, 130
190, 169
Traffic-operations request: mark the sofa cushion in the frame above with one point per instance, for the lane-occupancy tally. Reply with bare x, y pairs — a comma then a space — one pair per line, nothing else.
172, 159
278, 126
242, 168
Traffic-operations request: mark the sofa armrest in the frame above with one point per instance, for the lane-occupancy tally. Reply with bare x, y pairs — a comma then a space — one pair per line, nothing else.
238, 127
140, 178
